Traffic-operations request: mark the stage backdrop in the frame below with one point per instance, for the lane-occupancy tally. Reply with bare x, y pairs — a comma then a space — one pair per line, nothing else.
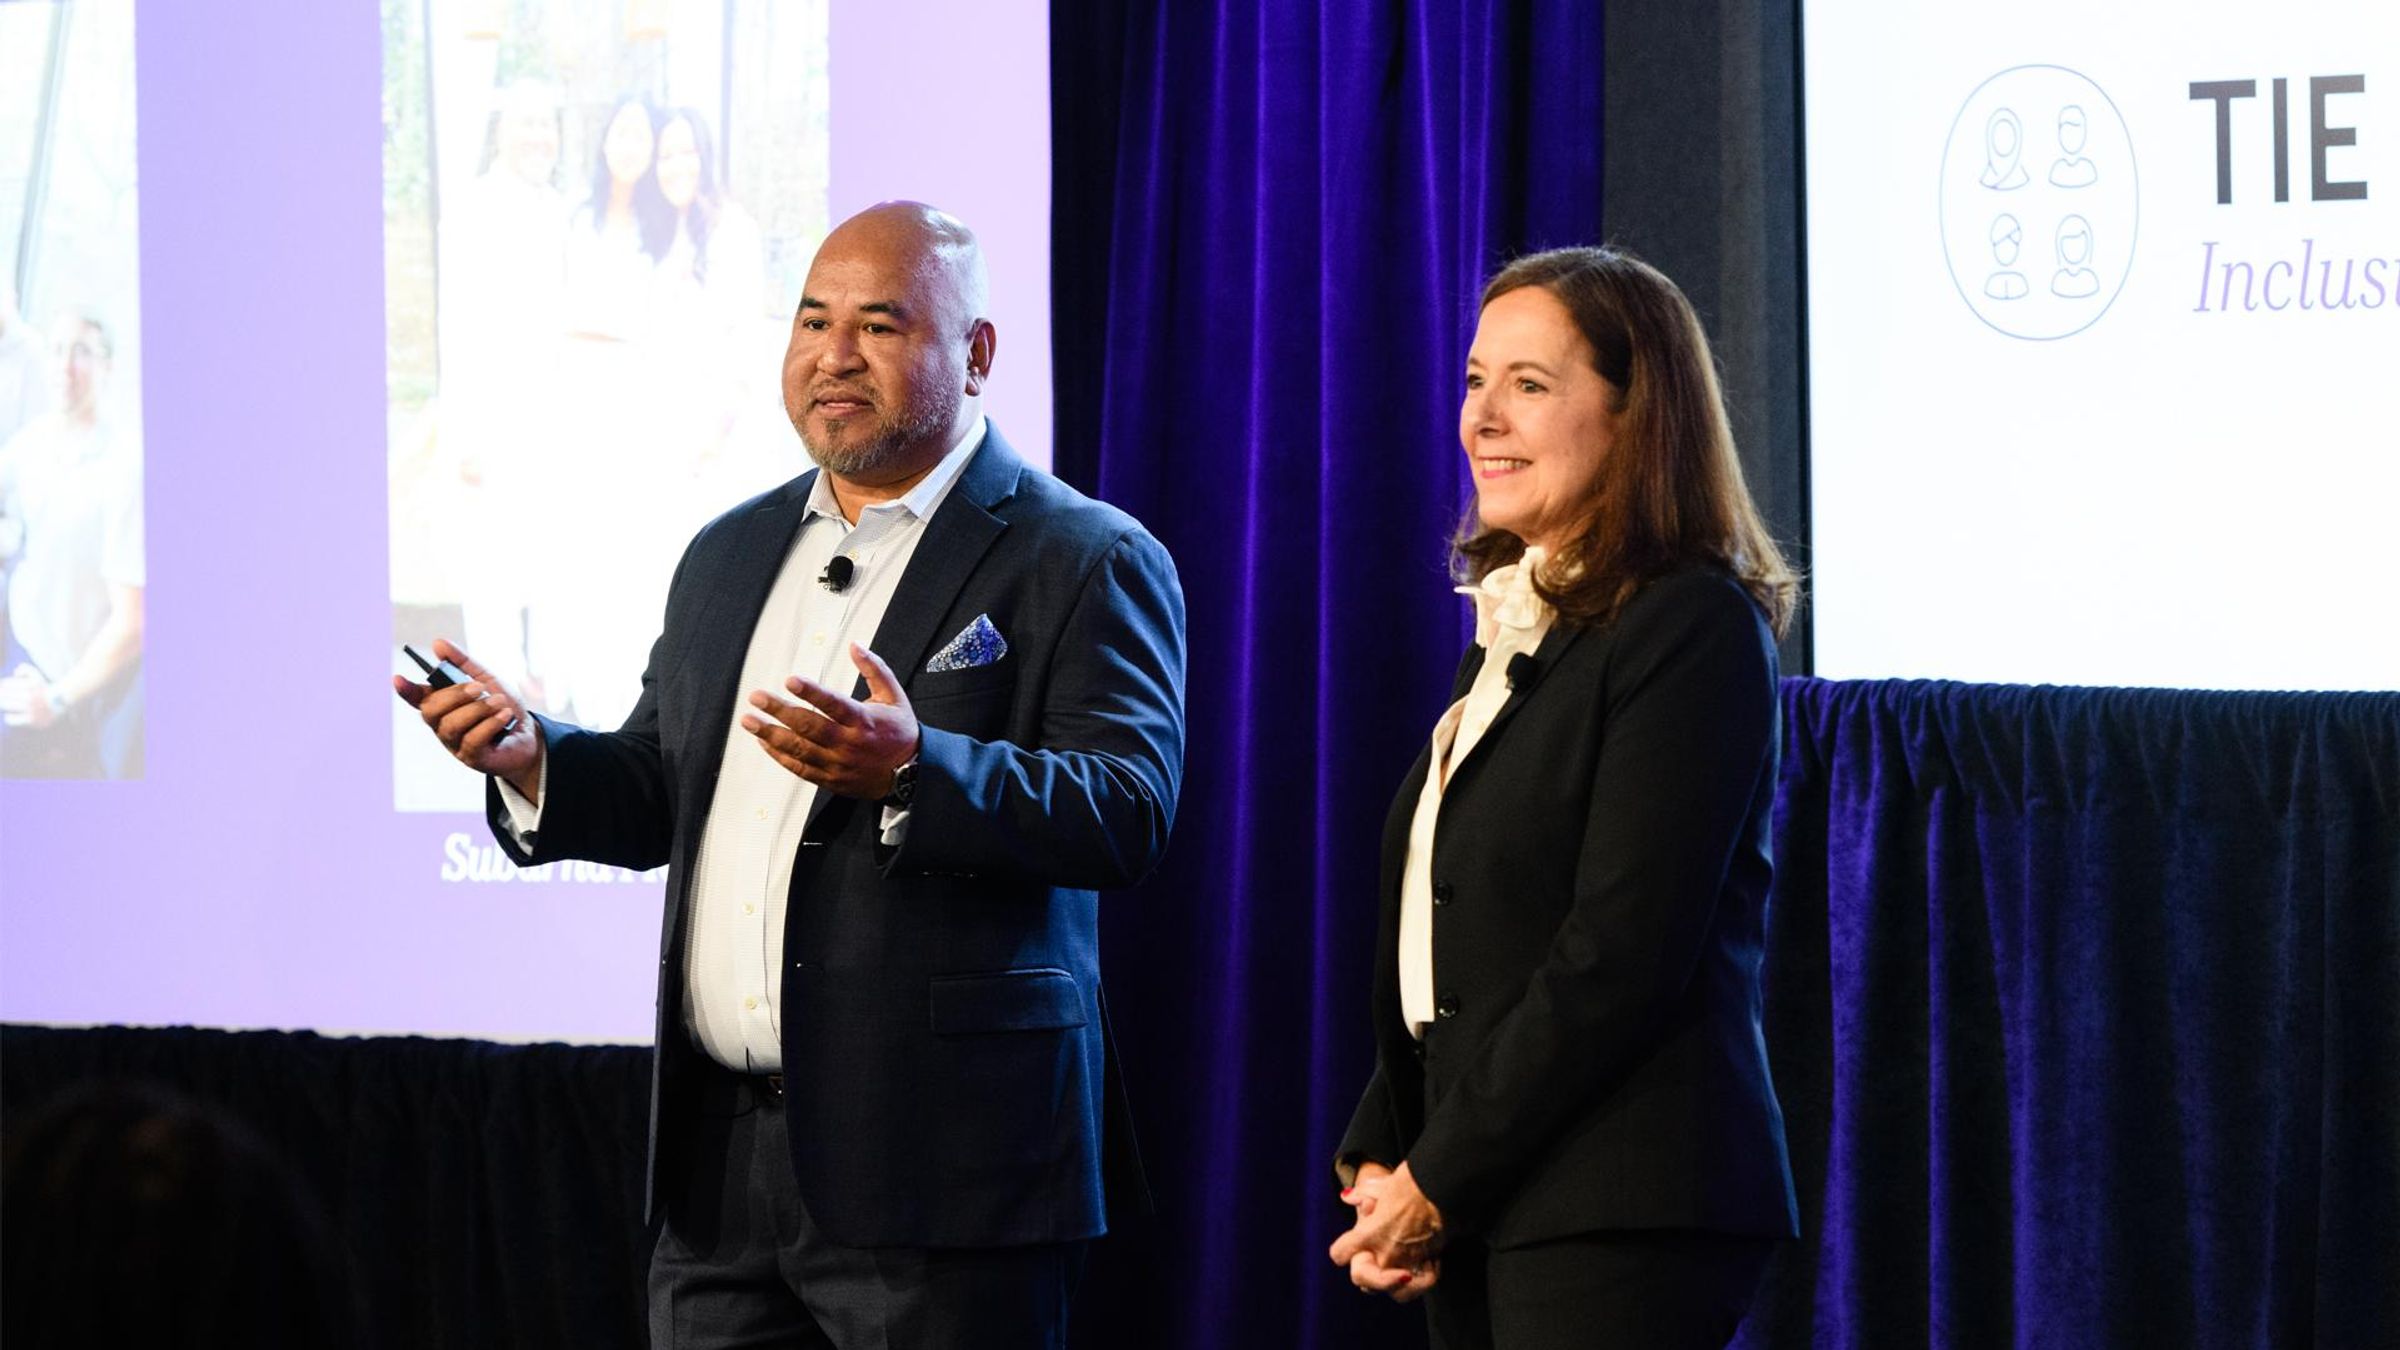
1277, 221
2082, 1005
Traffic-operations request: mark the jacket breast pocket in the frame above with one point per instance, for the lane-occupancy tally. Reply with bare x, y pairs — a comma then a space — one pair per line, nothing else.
974, 703
933, 686
1043, 998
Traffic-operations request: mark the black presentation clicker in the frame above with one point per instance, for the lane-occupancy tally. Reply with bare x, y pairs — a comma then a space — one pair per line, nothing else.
438, 674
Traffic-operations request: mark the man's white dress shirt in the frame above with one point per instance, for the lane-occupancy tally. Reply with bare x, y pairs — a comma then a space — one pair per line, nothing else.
732, 988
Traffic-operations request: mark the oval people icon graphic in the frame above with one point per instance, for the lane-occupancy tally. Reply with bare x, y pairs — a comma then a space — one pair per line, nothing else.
2040, 202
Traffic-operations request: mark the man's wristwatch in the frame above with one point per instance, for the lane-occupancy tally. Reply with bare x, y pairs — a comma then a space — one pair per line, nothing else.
904, 785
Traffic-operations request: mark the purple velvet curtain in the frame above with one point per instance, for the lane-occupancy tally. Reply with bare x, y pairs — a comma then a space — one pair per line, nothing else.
1271, 222
2085, 1010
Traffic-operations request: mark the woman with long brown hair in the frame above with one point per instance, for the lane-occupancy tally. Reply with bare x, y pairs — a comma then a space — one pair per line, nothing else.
1571, 1138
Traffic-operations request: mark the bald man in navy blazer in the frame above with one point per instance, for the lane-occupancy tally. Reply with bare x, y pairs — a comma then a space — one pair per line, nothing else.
909, 712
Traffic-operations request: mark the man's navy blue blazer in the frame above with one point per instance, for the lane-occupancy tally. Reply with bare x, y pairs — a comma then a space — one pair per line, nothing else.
945, 1047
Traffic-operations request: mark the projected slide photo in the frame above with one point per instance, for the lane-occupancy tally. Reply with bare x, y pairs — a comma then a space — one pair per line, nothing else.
71, 545
596, 222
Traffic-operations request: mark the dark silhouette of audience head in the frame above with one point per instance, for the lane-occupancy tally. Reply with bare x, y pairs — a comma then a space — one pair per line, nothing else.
135, 1217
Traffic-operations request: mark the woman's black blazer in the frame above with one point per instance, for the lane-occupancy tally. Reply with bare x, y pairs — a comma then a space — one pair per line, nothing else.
1600, 879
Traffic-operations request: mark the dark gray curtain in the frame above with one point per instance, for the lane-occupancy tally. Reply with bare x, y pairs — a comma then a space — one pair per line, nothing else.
1702, 177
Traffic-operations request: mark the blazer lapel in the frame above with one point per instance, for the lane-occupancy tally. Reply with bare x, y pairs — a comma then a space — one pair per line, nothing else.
1468, 666
1385, 986
733, 594
1528, 677
1395, 839
737, 594
962, 530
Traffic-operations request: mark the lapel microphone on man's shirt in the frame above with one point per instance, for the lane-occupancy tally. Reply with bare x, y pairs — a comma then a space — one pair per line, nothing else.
837, 574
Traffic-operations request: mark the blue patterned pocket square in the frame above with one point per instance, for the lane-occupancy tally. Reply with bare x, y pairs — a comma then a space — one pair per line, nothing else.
977, 644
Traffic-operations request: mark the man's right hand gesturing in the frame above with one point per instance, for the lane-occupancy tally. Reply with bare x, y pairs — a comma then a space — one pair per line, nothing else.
480, 722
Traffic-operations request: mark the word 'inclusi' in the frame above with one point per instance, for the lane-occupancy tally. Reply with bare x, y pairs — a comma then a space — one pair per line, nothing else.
2281, 284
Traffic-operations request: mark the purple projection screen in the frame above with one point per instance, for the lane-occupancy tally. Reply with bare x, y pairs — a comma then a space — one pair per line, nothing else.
260, 871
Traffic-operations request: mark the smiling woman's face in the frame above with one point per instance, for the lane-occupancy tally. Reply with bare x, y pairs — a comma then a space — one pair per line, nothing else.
678, 164
628, 144
1537, 419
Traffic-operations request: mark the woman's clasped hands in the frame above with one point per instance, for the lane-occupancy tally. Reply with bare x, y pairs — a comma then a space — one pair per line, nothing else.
1395, 1241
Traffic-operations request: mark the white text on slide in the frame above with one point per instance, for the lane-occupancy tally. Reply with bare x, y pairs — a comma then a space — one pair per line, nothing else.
463, 859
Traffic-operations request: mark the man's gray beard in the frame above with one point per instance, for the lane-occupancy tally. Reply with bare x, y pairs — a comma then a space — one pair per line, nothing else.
864, 459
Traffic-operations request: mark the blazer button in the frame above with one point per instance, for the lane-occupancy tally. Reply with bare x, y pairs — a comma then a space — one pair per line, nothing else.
1446, 1006
1442, 892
